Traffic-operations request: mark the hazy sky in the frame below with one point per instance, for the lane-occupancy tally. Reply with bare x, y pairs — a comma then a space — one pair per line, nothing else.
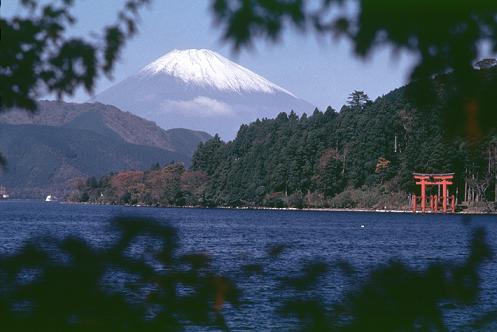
320, 71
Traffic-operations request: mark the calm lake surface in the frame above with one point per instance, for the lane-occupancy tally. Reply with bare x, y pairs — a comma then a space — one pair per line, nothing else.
235, 237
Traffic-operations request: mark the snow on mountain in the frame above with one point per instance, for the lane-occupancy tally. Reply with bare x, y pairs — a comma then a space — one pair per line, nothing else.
201, 90
208, 68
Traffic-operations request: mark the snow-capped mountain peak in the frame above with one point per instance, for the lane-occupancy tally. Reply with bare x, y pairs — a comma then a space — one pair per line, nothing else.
209, 69
201, 90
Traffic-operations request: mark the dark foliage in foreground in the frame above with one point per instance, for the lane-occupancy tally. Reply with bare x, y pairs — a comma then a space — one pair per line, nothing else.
39, 56
141, 283
442, 36
393, 297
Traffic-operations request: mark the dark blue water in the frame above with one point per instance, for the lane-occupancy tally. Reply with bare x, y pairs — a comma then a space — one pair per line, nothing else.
235, 236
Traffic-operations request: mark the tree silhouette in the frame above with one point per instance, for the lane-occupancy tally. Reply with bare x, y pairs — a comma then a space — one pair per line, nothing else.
38, 57
61, 285
441, 36
143, 281
138, 283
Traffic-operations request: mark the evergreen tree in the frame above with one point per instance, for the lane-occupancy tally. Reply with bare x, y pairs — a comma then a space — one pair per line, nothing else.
357, 100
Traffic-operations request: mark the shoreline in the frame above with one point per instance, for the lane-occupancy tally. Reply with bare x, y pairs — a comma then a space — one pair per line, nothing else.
358, 210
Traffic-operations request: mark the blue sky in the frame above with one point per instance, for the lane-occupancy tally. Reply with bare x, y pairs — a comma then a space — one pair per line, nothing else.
318, 70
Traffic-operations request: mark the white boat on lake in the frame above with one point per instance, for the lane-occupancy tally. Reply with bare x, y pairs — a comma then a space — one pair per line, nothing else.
3, 193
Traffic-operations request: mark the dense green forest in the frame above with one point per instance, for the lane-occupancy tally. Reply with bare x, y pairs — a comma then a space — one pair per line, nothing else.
360, 157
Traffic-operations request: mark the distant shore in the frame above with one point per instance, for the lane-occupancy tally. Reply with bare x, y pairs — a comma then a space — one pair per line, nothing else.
363, 210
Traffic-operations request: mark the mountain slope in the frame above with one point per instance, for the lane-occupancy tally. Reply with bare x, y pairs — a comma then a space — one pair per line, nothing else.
63, 141
202, 90
108, 121
45, 159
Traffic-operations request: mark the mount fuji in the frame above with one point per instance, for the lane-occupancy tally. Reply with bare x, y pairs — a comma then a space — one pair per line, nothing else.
201, 90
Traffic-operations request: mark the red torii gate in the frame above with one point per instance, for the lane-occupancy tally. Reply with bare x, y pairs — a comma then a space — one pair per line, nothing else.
443, 180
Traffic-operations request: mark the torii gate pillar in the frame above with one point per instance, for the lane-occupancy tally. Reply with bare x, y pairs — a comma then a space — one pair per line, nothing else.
444, 181
423, 181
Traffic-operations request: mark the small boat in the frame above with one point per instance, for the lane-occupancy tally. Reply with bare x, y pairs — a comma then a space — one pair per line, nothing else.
3, 193
50, 198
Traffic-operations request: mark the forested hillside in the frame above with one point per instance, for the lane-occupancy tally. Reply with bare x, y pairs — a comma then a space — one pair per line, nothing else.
362, 156
108, 121
47, 150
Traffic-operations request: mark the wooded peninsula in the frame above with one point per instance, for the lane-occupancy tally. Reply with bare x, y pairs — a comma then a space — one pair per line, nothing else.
360, 157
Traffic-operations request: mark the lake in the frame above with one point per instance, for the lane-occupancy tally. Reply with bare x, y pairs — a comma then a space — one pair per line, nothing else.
234, 236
